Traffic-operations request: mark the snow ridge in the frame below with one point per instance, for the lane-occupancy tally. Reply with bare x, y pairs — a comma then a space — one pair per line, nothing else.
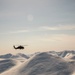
44, 64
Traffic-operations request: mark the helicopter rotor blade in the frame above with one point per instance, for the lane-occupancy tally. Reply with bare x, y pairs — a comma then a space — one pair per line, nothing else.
20, 45
24, 45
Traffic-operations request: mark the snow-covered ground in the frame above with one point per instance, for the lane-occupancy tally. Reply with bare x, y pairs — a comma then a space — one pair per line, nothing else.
9, 61
43, 64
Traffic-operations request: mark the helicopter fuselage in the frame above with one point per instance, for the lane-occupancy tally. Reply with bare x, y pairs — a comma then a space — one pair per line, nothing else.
19, 47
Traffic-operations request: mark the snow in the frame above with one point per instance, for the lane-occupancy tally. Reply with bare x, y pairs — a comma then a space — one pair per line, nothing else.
73, 73
43, 64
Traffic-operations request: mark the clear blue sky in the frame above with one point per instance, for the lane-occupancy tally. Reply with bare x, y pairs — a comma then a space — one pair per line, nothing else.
41, 24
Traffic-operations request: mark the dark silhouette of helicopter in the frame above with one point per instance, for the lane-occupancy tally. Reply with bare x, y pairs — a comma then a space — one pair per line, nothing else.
19, 47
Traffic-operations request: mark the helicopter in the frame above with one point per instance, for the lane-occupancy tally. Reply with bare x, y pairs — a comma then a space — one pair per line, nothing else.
21, 47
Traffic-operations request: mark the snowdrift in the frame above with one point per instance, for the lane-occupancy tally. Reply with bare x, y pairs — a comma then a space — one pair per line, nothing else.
44, 64
6, 64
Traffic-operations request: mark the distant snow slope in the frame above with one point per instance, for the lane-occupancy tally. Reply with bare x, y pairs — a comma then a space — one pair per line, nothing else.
44, 64
63, 53
7, 56
70, 56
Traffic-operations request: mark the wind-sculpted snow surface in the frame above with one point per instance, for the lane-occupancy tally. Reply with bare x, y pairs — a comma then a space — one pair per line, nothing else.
44, 64
5, 65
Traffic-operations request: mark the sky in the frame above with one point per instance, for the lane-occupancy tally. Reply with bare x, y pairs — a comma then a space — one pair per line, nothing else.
43, 25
